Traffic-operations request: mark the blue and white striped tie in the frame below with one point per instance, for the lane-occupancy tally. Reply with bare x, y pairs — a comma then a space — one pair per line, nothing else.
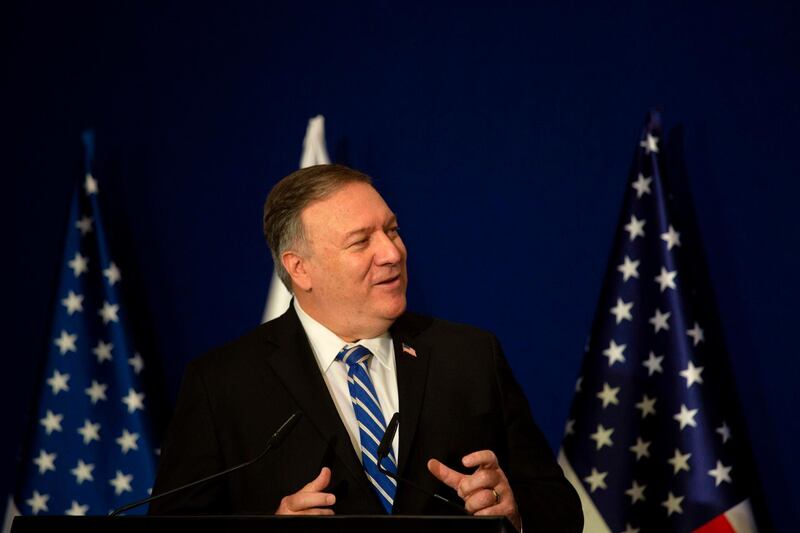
371, 423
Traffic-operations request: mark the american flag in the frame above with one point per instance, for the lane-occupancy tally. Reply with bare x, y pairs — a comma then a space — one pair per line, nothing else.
653, 441
90, 447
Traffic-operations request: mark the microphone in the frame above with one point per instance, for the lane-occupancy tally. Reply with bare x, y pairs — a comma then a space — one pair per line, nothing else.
274, 441
383, 451
388, 436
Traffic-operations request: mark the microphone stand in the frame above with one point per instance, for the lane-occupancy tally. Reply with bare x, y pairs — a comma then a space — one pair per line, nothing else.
273, 442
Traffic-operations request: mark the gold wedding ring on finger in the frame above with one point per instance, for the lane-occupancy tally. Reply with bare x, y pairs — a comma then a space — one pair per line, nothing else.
496, 496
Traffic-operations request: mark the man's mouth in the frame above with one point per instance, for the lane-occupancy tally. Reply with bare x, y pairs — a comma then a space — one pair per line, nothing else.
389, 281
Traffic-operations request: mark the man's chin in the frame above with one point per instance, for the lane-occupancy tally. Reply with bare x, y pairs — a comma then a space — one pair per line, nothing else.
394, 308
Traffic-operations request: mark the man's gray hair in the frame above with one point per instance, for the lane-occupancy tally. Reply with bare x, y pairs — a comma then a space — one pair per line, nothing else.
283, 227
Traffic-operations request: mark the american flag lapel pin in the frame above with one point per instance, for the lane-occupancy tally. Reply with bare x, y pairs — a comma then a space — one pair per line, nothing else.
409, 350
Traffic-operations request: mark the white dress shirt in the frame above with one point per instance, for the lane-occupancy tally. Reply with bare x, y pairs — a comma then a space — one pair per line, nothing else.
326, 345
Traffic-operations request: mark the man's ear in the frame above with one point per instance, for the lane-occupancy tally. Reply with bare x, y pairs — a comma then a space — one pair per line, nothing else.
295, 265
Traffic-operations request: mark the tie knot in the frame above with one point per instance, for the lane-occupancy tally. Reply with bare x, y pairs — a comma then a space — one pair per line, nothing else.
353, 355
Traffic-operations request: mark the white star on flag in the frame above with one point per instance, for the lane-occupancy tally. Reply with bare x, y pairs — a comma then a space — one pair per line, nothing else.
692, 374
696, 334
636, 492
602, 436
641, 448
79, 264
597, 480
622, 311
58, 382
721, 473
112, 274
38, 502
109, 312
614, 353
46, 461
84, 224
673, 504
666, 279
647, 406
77, 509
127, 441
679, 461
725, 432
66, 342
82, 472
136, 362
686, 417
103, 351
73, 302
642, 185
659, 321
671, 237
635, 227
653, 364
650, 144
90, 185
133, 400
608, 395
629, 269
97, 391
51, 422
90, 431
121, 483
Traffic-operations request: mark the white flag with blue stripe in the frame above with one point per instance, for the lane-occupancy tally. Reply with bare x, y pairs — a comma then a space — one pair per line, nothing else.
314, 153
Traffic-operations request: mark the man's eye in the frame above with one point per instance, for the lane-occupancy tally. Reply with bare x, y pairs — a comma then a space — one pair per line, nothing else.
393, 231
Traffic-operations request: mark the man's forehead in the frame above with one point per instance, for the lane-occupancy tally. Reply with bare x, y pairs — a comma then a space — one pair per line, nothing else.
352, 207
388, 220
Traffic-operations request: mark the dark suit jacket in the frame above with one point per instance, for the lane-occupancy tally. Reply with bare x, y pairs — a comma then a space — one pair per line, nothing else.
457, 395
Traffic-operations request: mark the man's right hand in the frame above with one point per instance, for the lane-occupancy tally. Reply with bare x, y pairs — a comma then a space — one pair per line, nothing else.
310, 500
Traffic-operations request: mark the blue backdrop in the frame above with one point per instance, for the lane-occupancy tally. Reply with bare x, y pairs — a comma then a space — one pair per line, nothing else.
501, 134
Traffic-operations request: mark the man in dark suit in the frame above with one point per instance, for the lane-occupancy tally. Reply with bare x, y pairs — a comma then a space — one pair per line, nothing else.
348, 355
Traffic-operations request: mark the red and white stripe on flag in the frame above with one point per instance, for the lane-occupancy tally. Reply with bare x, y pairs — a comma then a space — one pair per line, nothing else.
737, 519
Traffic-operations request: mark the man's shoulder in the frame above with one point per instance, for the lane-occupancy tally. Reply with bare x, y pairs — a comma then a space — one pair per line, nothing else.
245, 349
429, 328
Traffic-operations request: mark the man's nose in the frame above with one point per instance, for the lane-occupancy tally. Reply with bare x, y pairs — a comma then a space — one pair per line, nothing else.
388, 250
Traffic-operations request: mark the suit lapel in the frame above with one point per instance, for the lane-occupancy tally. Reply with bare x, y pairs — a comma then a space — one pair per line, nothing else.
412, 358
294, 363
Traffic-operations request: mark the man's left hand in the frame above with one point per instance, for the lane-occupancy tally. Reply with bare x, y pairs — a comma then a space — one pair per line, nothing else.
486, 491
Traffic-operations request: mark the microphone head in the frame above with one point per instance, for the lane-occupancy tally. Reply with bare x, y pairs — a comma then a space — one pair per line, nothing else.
386, 442
285, 429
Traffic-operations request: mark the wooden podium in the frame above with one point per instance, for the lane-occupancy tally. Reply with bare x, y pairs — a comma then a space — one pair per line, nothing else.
261, 524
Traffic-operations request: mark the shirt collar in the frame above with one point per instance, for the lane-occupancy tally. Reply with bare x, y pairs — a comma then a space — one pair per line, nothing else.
326, 344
